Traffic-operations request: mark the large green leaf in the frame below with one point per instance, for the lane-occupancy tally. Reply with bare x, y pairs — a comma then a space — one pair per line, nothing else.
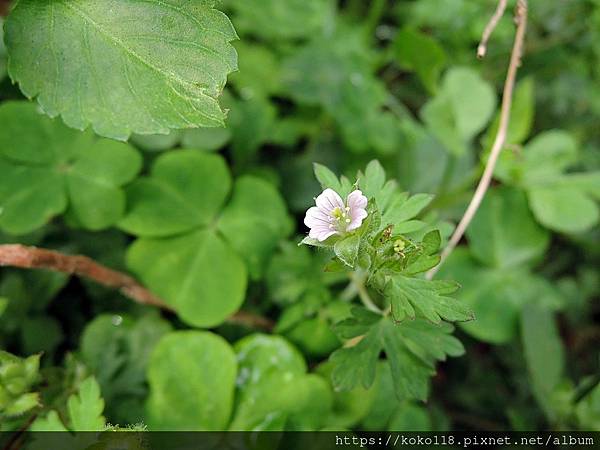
462, 108
47, 167
192, 380
254, 221
144, 66
197, 273
186, 190
504, 233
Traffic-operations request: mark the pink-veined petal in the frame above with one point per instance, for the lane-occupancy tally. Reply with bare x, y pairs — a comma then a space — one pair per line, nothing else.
329, 200
356, 200
356, 216
321, 233
315, 217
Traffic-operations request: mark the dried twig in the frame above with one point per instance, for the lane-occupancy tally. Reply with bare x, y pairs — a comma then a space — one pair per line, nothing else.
490, 27
25, 257
499, 141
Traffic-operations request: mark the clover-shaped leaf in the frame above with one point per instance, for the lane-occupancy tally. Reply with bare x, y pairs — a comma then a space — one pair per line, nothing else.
137, 66
48, 169
189, 243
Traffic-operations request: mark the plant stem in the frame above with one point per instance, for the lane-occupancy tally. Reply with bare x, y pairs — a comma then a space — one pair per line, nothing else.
25, 257
486, 178
363, 294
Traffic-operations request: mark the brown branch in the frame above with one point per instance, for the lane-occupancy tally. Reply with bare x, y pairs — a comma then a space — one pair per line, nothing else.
24, 257
500, 139
490, 27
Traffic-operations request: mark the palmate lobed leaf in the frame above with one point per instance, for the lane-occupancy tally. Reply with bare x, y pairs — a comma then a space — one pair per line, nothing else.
123, 66
409, 296
412, 348
85, 408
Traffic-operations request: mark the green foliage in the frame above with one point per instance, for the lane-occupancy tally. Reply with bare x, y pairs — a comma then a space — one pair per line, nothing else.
204, 206
84, 411
461, 109
565, 202
195, 371
49, 169
17, 378
412, 348
92, 59
419, 52
180, 253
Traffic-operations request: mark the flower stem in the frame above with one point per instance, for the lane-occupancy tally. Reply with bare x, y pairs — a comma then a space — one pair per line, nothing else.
359, 281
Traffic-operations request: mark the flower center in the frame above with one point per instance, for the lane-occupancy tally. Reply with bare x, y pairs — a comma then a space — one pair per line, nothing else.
340, 218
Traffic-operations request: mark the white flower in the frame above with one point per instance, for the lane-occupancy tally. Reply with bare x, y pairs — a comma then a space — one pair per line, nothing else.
333, 216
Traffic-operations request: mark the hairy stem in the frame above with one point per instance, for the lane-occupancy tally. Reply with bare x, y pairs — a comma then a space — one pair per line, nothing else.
359, 281
500, 139
25, 257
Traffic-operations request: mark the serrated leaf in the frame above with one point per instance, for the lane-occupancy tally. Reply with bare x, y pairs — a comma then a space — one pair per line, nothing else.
197, 273
86, 407
403, 208
51, 422
430, 298
22, 404
412, 348
46, 167
195, 371
143, 66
